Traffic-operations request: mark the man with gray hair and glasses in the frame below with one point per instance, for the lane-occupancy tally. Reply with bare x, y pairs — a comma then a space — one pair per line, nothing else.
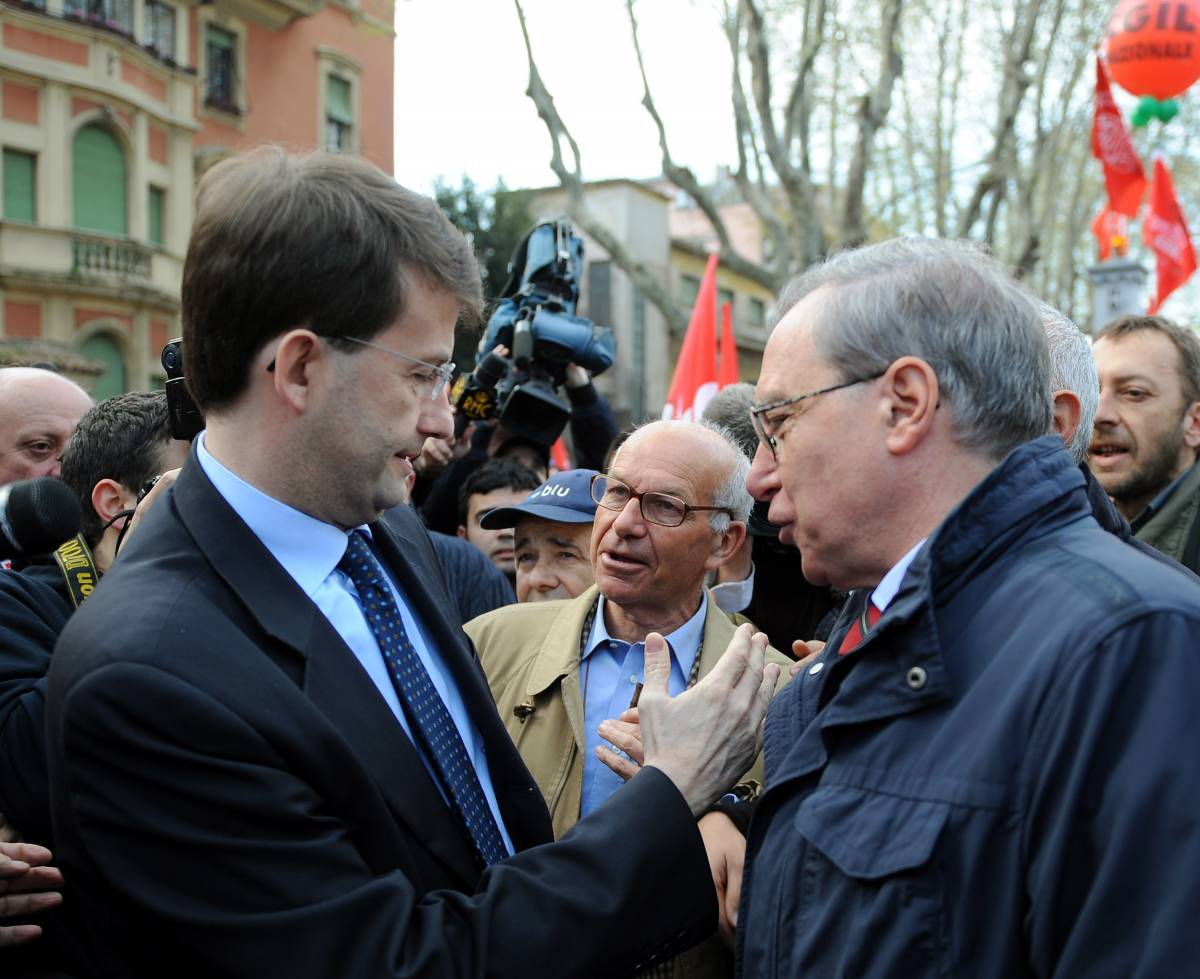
672, 507
978, 772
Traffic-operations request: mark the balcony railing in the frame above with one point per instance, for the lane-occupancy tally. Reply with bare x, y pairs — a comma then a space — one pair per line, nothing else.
100, 256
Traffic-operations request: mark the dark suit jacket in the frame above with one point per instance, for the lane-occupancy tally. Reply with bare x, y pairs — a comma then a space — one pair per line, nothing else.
232, 797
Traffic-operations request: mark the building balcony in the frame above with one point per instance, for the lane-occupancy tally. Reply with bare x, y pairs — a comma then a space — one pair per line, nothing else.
80, 262
274, 15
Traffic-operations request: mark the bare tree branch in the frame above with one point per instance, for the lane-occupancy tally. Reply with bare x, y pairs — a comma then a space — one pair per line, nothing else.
572, 180
872, 113
811, 243
1017, 80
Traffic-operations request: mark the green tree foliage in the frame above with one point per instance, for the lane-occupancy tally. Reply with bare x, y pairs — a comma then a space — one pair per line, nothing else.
494, 220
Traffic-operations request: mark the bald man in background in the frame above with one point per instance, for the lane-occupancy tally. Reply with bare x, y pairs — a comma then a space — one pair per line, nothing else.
38, 412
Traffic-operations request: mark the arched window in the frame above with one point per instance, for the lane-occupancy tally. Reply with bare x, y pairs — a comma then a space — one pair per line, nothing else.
112, 381
99, 181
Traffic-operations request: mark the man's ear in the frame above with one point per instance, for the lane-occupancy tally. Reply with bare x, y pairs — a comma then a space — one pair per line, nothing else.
462, 530
1191, 422
911, 396
1067, 412
109, 498
299, 356
726, 545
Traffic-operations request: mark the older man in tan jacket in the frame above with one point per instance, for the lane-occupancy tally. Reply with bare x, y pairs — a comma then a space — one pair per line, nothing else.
672, 507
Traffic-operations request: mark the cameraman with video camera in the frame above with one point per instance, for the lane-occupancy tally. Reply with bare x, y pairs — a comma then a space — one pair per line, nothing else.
534, 344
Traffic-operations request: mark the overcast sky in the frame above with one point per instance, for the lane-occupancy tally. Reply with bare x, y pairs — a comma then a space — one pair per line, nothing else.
461, 75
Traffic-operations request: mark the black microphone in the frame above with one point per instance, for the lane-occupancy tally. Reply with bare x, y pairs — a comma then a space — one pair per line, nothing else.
36, 516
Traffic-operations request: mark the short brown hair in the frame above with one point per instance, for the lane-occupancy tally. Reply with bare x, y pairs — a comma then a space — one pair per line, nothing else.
1185, 340
320, 241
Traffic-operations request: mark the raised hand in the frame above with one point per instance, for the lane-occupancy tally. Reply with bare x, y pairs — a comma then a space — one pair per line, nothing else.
705, 739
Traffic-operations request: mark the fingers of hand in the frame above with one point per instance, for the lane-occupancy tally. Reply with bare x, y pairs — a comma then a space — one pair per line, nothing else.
618, 763
629, 716
766, 690
658, 666
34, 879
733, 661
31, 853
627, 737
18, 934
12, 905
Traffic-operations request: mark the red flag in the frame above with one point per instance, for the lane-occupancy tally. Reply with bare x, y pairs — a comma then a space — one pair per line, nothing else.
1165, 232
1110, 229
729, 352
1111, 145
695, 380
558, 455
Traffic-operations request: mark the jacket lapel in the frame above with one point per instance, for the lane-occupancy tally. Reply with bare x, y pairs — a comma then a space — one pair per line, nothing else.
405, 549
559, 657
313, 655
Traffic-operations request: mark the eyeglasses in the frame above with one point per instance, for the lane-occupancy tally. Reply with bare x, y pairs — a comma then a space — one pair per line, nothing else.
659, 508
442, 372
767, 431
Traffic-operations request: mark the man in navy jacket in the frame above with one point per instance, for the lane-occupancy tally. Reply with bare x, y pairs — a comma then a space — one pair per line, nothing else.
989, 769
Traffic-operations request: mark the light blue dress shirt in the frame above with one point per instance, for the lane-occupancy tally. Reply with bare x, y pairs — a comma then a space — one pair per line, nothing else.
309, 551
609, 672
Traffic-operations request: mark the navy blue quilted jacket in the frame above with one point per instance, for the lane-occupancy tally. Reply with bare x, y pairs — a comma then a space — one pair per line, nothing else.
1003, 780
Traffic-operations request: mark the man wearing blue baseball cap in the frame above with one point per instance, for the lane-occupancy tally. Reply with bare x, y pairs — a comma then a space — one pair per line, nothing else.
552, 531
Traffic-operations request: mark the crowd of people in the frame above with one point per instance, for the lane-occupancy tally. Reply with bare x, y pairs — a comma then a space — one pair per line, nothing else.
885, 667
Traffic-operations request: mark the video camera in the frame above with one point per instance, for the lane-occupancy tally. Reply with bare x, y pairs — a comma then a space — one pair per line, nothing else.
535, 319
186, 419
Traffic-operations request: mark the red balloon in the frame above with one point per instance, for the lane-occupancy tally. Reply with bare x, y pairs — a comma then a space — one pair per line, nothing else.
1153, 46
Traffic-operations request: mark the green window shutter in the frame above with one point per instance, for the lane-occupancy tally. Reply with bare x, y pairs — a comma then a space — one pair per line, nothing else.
337, 100
112, 381
98, 182
219, 38
20, 185
155, 214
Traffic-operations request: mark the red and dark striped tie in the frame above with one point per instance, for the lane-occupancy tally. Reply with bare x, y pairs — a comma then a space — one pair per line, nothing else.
859, 628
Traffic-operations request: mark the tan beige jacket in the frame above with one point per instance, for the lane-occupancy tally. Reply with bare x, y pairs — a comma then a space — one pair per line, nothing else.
530, 654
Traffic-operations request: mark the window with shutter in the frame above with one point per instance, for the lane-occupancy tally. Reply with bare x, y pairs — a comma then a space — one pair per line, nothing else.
20, 185
220, 84
154, 211
98, 181
112, 381
339, 115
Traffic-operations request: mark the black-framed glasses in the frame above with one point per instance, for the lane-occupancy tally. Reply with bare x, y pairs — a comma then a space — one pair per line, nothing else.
767, 431
660, 508
443, 373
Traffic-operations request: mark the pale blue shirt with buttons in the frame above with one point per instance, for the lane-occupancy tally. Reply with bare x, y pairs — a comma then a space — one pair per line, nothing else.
609, 673
309, 550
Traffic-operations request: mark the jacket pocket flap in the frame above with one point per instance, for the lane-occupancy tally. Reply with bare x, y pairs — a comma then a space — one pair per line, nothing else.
868, 835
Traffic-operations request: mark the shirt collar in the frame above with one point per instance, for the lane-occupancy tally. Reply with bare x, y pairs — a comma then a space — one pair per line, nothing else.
1159, 501
684, 642
307, 548
886, 590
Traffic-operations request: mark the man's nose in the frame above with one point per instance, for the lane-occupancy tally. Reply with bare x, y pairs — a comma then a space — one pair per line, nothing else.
763, 482
1106, 410
630, 522
436, 419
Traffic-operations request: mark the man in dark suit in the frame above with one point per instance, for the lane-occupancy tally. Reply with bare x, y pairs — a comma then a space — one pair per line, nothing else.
272, 751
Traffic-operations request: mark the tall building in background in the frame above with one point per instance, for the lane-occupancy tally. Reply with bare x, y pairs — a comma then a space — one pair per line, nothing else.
110, 109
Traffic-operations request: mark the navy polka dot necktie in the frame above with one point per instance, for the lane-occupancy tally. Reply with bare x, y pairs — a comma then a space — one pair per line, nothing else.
430, 721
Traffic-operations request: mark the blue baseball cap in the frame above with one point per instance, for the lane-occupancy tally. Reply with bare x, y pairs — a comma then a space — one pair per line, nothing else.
565, 497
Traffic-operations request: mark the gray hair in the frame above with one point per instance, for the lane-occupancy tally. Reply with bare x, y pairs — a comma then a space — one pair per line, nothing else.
729, 408
1072, 368
731, 493
954, 306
